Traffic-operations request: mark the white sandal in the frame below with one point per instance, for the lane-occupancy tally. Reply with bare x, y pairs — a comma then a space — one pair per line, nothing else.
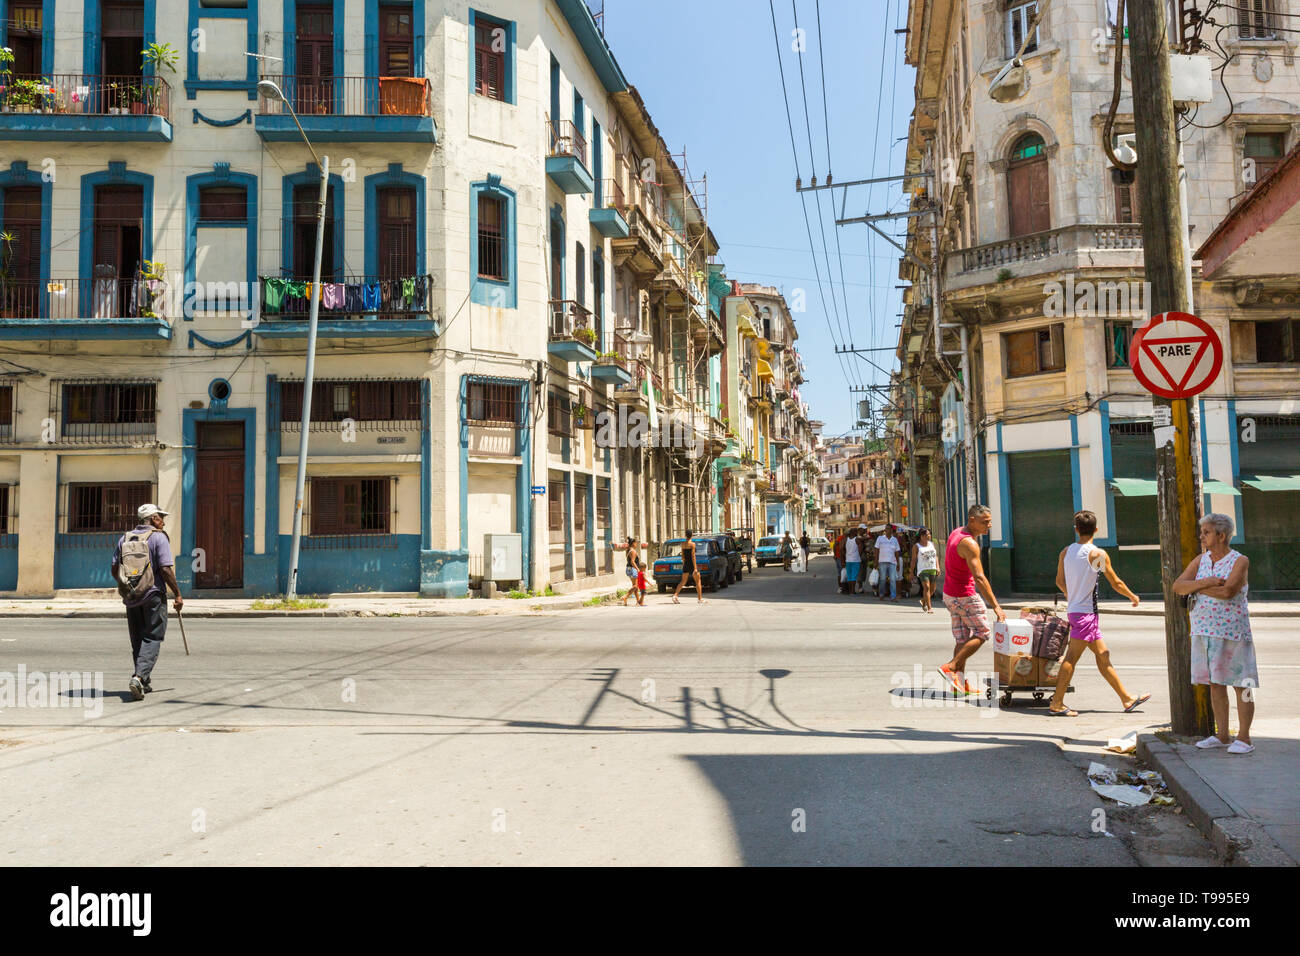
1210, 743
1240, 747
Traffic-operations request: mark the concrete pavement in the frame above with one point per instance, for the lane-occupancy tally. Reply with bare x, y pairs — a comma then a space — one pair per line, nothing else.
778, 723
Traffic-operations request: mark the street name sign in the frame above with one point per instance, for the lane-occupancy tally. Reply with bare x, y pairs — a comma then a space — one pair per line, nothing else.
1176, 355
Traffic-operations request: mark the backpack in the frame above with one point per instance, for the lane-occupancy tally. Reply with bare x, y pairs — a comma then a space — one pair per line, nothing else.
135, 570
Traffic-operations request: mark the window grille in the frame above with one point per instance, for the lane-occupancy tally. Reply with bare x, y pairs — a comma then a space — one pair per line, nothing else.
104, 411
372, 405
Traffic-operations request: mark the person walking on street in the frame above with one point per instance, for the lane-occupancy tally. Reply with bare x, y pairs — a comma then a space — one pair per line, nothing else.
964, 582
1076, 576
837, 550
852, 560
805, 543
864, 549
925, 565
142, 565
787, 550
1223, 648
887, 548
635, 572
689, 569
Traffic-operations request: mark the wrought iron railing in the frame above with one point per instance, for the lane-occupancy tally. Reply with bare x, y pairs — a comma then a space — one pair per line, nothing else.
611, 195
110, 297
570, 321
94, 94
351, 297
350, 96
567, 140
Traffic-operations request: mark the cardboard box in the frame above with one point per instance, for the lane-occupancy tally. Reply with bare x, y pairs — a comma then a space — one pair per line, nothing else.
1048, 670
1013, 637
1016, 670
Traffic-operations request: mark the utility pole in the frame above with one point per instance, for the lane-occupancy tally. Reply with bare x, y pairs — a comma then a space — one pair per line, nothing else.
1167, 261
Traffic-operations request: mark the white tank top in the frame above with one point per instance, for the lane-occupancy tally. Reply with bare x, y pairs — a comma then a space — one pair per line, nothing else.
1081, 577
927, 557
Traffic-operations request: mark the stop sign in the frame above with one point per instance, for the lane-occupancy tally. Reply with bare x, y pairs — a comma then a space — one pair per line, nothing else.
1176, 355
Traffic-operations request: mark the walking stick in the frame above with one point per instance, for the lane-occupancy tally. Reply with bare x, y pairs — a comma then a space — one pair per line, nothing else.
181, 619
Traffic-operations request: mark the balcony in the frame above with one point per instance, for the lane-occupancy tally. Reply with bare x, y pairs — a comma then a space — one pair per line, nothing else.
571, 336
354, 307
349, 109
104, 309
615, 366
566, 158
607, 213
88, 108
927, 428
1067, 249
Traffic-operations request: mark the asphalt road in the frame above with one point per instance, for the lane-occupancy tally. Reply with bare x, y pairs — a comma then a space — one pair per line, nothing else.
779, 723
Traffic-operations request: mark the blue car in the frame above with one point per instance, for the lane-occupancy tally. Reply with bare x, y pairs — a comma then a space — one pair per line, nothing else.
709, 558
768, 550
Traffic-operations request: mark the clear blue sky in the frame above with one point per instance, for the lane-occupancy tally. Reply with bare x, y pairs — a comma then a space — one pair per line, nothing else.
707, 70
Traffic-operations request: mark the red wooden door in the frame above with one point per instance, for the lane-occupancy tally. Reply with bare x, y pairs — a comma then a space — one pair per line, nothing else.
315, 52
1028, 194
219, 505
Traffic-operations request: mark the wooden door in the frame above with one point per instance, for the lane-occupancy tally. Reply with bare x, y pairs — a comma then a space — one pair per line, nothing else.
395, 40
1028, 194
315, 52
119, 233
21, 252
305, 199
1042, 506
397, 238
219, 504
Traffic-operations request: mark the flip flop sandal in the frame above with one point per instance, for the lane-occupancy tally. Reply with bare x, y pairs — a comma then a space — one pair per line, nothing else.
1062, 713
1137, 703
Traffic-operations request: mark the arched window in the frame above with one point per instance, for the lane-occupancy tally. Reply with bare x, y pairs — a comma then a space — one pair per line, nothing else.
1027, 190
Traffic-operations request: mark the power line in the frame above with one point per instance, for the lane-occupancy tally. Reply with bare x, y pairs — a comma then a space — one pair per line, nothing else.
785, 99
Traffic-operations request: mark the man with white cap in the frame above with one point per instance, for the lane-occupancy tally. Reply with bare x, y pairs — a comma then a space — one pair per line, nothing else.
142, 564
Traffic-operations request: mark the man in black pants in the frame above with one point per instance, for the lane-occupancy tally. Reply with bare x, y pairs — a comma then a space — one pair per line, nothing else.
146, 611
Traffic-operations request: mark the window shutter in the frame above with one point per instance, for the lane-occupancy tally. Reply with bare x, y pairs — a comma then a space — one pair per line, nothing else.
1022, 353
1055, 358
1243, 342
324, 505
372, 401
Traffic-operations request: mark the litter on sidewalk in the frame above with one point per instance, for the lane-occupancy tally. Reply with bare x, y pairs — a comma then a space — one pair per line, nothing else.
1132, 788
1123, 745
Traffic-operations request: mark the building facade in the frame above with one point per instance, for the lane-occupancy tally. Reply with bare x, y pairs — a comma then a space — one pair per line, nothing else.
1040, 253
508, 252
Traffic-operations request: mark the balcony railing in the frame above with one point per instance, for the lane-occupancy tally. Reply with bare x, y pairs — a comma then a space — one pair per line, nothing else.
103, 298
351, 96
93, 94
1040, 245
350, 297
567, 140
571, 321
612, 195
927, 425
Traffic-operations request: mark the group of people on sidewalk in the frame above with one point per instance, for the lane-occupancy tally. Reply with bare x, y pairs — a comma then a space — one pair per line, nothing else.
1222, 646
857, 555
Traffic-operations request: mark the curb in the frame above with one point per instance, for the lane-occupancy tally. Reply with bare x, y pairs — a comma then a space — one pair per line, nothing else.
1239, 841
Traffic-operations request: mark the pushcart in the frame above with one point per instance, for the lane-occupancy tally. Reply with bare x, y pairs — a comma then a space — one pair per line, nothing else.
1032, 684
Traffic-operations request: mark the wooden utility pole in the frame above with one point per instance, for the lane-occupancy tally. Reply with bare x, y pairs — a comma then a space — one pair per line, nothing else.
1166, 257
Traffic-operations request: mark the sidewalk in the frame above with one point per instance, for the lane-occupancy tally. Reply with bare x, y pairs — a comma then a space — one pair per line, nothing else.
106, 604
1154, 607
1249, 805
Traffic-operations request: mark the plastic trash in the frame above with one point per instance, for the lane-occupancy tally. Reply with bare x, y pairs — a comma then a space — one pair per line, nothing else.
1100, 772
1120, 793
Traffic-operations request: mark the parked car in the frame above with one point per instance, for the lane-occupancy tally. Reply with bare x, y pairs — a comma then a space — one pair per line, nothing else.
709, 558
768, 550
819, 545
731, 548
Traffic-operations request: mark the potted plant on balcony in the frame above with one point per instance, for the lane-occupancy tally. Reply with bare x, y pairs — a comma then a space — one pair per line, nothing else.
116, 96
159, 57
585, 336
610, 358
24, 96
152, 287
6, 71
581, 413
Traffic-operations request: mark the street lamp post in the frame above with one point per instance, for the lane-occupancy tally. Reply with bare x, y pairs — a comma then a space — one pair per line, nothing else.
273, 92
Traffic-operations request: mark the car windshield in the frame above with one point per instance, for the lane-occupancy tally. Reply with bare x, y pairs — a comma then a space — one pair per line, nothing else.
769, 542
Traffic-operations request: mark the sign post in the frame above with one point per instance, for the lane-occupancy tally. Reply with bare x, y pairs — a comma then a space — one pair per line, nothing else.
1176, 356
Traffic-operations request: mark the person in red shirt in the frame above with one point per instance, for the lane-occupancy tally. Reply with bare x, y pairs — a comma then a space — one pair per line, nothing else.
963, 583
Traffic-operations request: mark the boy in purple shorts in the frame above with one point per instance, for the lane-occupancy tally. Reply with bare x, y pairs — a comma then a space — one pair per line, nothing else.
1076, 575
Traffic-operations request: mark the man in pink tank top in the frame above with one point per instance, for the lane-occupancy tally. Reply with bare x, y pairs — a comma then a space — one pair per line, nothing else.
963, 583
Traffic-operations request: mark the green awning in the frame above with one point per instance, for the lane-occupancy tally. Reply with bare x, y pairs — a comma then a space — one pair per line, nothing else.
1146, 487
1272, 482
1134, 487
1212, 487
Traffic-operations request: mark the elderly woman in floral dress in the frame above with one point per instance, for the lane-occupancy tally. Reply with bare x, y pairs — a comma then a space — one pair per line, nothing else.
1223, 652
